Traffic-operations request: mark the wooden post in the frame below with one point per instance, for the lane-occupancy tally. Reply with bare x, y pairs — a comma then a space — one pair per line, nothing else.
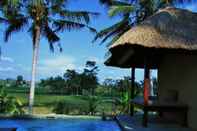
146, 92
132, 91
146, 83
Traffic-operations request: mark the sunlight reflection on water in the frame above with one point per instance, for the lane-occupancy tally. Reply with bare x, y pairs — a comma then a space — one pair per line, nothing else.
60, 125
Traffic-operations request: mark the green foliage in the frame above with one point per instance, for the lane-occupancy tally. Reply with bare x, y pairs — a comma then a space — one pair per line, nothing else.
102, 91
9, 104
75, 105
70, 108
73, 81
90, 76
114, 31
124, 101
62, 108
118, 105
110, 96
56, 85
92, 104
117, 10
109, 105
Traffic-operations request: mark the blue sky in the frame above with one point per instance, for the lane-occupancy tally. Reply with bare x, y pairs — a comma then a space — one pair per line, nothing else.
77, 49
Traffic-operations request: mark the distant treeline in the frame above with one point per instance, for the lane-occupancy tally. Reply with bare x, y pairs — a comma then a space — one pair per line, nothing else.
75, 83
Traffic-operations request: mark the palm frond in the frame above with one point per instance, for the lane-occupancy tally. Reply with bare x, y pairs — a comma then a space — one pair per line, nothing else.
115, 34
121, 3
114, 2
61, 25
3, 20
91, 29
106, 2
109, 35
57, 5
120, 9
15, 25
116, 37
106, 31
110, 31
50, 34
32, 31
78, 16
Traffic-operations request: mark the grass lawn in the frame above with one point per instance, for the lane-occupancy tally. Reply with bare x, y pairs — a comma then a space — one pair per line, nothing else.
44, 103
45, 99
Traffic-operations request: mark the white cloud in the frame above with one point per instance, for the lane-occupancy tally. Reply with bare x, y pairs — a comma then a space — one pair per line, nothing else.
6, 69
96, 59
56, 65
80, 68
6, 59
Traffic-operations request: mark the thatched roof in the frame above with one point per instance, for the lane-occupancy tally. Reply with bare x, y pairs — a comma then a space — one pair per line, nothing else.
168, 29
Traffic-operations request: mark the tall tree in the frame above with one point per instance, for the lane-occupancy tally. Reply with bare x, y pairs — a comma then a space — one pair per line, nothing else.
131, 12
43, 18
90, 75
109, 84
73, 81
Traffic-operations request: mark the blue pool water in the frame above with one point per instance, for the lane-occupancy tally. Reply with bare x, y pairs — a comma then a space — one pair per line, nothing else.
60, 125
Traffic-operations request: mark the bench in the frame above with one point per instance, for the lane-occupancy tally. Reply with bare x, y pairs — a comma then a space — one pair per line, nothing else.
156, 106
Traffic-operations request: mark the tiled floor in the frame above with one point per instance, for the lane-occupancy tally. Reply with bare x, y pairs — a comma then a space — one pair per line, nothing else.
135, 124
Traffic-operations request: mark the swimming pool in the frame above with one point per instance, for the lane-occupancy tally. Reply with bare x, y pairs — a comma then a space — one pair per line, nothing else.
59, 125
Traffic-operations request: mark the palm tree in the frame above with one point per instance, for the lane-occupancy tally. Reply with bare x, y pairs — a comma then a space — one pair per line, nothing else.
131, 12
43, 18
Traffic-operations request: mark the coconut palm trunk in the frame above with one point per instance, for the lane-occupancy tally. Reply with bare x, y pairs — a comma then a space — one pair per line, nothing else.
34, 64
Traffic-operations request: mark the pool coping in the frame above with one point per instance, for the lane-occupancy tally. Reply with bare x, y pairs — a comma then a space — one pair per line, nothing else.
48, 116
120, 124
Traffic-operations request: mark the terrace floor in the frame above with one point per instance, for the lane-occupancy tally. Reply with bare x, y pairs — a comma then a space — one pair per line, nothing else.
134, 123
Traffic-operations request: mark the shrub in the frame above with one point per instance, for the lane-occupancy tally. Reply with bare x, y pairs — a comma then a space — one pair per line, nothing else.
65, 107
92, 104
9, 104
102, 91
61, 108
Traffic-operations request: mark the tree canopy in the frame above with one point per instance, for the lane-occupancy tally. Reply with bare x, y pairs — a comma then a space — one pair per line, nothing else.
52, 16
